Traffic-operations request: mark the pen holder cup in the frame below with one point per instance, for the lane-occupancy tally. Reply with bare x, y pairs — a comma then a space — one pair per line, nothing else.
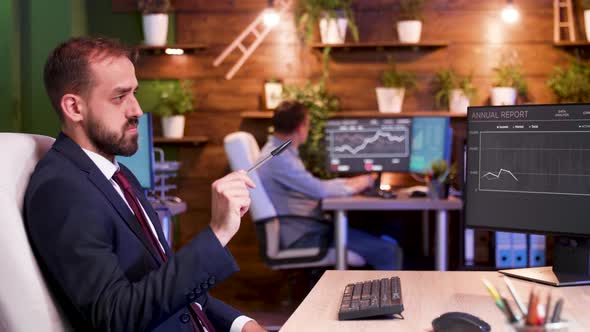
550, 327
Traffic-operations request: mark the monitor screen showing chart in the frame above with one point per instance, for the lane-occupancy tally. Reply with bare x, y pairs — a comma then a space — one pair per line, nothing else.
368, 144
528, 168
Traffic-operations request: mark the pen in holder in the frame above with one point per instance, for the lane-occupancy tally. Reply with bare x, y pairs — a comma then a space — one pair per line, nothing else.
538, 316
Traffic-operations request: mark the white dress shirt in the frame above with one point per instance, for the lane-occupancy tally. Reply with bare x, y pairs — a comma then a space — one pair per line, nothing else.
108, 169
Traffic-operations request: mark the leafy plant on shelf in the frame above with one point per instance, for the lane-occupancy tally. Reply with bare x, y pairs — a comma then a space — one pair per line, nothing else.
447, 80
571, 84
509, 73
153, 6
173, 98
441, 172
393, 78
309, 12
320, 104
411, 10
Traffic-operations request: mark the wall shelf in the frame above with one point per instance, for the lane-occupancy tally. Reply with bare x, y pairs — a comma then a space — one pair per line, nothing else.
380, 46
187, 140
572, 44
161, 50
362, 114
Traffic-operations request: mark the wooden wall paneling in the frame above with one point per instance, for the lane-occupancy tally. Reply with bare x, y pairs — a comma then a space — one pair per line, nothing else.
476, 40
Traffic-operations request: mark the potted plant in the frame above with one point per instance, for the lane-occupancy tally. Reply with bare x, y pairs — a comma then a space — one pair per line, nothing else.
440, 178
333, 16
320, 104
155, 21
585, 6
174, 100
409, 25
508, 83
390, 96
571, 85
453, 91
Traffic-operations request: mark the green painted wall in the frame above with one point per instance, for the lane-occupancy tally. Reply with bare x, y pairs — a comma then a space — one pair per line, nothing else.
9, 66
30, 29
44, 25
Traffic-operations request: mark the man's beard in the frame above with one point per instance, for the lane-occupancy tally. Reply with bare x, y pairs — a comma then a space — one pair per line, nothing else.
111, 142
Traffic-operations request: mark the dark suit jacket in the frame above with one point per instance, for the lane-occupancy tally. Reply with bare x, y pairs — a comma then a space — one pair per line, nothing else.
100, 264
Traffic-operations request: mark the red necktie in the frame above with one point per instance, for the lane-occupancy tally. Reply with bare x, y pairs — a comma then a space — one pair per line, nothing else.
121, 180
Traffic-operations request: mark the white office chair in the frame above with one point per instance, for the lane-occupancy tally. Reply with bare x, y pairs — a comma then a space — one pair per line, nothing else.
242, 151
25, 301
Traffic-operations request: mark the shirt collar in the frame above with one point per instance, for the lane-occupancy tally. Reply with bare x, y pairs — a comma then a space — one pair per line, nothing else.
106, 166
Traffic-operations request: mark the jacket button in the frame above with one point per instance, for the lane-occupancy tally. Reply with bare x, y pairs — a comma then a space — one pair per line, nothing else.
212, 280
204, 286
191, 296
198, 291
185, 318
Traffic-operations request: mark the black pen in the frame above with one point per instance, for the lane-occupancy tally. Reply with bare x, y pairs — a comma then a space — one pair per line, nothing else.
511, 316
273, 153
557, 311
548, 308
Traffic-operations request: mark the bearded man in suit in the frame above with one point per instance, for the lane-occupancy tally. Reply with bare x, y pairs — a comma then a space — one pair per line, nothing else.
96, 237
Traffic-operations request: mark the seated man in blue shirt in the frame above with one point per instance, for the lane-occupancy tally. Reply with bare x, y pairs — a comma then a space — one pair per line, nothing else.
295, 191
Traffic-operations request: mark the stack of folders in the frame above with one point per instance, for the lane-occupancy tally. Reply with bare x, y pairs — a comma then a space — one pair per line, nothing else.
516, 250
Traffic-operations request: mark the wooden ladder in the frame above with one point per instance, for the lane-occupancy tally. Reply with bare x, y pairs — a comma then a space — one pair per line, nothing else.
563, 9
256, 28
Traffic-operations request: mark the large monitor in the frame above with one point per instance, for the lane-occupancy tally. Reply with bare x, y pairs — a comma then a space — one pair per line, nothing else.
368, 145
528, 170
405, 144
141, 163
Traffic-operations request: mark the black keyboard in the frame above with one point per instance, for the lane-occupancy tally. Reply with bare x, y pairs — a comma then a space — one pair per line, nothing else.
371, 298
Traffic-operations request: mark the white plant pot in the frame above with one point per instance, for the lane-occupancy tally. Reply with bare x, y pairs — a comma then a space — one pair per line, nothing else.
503, 96
173, 126
390, 100
458, 101
273, 94
587, 23
333, 30
409, 31
155, 29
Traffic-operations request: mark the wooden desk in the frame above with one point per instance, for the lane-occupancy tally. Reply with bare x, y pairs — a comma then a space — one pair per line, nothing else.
426, 295
343, 204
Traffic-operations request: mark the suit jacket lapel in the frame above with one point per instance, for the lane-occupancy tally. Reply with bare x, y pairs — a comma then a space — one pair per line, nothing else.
70, 149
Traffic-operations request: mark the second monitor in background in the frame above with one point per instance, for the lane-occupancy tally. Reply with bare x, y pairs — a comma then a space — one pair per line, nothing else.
360, 145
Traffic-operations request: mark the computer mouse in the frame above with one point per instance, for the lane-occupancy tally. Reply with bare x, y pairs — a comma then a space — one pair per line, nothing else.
387, 193
459, 322
418, 193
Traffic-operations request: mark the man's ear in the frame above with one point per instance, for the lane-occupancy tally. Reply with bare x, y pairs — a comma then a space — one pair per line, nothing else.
73, 107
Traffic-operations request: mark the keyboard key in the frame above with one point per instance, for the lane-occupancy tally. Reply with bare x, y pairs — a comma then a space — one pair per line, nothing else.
371, 298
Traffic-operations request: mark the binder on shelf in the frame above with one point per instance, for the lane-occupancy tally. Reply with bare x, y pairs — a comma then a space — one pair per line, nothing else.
519, 250
469, 246
503, 250
537, 250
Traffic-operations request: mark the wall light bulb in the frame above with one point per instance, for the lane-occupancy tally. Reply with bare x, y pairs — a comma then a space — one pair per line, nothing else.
510, 14
271, 18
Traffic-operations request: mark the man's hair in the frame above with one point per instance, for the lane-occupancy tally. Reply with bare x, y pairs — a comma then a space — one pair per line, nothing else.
288, 116
67, 69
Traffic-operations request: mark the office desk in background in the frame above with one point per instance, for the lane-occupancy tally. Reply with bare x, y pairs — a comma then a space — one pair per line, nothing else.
426, 295
344, 204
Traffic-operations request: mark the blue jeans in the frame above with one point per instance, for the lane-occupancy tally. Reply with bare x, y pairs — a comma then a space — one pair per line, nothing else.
380, 253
